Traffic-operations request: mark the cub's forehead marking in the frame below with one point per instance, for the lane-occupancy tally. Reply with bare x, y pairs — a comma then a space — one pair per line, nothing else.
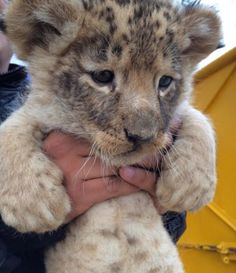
130, 13
144, 29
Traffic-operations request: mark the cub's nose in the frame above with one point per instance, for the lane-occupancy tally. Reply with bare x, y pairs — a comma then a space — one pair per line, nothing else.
140, 125
137, 139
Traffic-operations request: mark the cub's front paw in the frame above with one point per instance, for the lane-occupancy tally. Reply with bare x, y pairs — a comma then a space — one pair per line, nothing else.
36, 200
187, 179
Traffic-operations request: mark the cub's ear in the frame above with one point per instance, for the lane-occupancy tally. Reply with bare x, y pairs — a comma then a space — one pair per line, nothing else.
202, 33
44, 24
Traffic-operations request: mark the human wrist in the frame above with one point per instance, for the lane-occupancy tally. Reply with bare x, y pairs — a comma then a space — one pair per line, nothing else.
5, 53
5, 58
4, 66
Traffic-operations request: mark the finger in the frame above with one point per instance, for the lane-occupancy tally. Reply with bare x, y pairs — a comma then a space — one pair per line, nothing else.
140, 178
86, 194
58, 144
102, 189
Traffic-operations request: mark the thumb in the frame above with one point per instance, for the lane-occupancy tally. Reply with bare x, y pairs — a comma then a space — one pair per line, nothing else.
143, 179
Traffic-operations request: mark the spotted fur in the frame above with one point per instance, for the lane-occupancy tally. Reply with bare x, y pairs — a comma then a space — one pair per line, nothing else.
65, 42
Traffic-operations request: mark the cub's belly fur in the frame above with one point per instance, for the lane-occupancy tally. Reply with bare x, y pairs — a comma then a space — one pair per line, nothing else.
121, 235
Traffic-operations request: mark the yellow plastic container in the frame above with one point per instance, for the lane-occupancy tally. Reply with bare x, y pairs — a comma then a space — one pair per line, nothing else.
209, 244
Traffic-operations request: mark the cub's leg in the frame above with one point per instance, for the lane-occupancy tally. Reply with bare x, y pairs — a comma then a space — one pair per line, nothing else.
32, 197
188, 175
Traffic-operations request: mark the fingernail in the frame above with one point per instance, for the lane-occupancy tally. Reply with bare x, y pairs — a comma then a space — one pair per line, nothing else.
128, 172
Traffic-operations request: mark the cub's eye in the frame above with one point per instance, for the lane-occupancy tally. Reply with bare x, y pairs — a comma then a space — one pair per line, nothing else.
165, 82
103, 77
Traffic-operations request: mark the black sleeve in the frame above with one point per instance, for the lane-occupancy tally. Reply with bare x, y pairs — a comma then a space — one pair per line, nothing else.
23, 253
8, 262
175, 224
14, 87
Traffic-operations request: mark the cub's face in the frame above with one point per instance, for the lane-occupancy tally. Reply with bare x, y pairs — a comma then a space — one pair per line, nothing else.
119, 69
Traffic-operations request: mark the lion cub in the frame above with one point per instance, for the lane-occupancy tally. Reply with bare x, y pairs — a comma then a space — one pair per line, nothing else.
115, 72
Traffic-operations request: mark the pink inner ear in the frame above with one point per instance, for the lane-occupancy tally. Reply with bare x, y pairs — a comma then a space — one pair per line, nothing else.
186, 43
203, 28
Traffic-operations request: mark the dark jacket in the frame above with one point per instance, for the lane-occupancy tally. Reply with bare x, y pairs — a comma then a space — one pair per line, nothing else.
13, 89
24, 253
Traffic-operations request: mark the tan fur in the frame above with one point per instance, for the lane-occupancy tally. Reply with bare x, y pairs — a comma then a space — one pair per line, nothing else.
140, 41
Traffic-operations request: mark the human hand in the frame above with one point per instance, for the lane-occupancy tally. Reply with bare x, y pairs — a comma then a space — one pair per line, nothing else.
5, 46
87, 181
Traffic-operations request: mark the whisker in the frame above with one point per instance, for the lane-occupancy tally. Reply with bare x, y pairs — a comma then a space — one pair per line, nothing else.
80, 170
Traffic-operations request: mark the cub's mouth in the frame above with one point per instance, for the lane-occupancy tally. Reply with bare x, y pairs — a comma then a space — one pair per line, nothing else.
119, 152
